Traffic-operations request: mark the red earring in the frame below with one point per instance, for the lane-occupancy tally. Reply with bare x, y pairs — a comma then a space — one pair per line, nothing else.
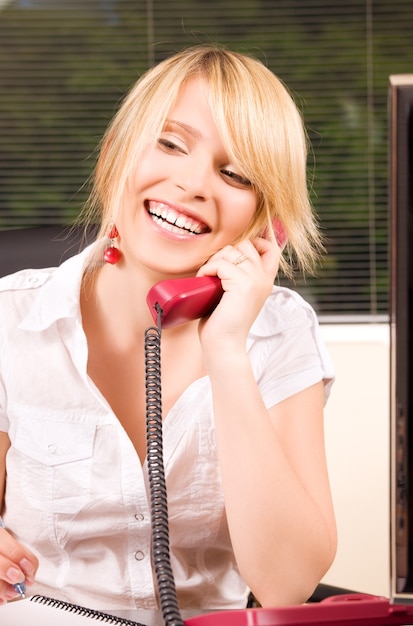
112, 254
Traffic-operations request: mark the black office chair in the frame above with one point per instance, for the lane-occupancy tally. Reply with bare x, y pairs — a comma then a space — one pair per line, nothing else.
45, 246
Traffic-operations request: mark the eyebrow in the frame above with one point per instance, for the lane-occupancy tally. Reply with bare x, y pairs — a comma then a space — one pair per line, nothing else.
189, 129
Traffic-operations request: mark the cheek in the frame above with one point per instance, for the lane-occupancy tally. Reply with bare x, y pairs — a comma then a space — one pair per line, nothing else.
242, 211
128, 202
142, 178
146, 170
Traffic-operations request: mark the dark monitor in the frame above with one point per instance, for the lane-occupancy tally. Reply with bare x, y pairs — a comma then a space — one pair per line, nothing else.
401, 345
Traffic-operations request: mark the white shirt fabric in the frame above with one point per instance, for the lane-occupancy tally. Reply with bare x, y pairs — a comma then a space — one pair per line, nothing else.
76, 492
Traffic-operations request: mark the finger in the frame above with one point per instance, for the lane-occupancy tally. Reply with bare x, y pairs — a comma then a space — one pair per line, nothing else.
259, 254
269, 253
258, 248
223, 268
240, 259
17, 563
7, 592
229, 259
244, 251
11, 572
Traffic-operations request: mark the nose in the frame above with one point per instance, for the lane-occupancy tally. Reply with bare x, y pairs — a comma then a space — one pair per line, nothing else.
195, 177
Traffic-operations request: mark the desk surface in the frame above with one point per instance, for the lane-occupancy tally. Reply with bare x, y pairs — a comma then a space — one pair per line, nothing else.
354, 609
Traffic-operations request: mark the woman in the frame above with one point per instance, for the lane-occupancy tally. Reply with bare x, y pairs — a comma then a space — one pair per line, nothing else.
206, 151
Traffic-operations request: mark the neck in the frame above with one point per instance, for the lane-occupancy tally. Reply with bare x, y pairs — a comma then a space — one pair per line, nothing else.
114, 301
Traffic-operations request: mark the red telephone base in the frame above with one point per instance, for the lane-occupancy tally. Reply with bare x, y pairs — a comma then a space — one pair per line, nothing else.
355, 609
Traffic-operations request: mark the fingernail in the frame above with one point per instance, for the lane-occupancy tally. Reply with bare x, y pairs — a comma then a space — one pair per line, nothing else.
27, 566
15, 575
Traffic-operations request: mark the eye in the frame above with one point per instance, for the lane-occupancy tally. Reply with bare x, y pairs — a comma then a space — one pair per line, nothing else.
236, 179
169, 145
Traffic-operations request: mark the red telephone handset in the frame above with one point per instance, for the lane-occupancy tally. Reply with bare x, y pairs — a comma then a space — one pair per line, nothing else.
280, 234
185, 299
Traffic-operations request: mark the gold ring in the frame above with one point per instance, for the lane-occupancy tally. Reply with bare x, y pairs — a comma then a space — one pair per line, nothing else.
240, 259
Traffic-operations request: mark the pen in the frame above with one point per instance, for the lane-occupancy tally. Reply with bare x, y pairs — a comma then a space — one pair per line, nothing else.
19, 587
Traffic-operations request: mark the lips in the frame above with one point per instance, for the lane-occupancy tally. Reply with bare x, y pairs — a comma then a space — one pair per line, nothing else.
175, 221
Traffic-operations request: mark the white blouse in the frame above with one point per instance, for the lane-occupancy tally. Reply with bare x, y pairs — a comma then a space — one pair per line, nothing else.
77, 494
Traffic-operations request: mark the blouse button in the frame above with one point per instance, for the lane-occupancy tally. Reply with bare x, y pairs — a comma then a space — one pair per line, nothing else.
51, 448
139, 555
139, 517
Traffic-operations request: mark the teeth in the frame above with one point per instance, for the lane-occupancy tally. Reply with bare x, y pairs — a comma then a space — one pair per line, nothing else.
181, 222
170, 217
172, 221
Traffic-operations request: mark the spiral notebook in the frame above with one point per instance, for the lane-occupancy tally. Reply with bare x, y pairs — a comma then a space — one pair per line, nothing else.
44, 611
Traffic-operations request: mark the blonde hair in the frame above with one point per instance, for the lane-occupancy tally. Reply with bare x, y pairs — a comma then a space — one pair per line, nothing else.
260, 127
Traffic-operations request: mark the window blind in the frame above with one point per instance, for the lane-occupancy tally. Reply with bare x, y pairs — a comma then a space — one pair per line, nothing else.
66, 64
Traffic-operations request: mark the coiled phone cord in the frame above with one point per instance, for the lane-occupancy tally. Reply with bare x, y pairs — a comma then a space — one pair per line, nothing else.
157, 484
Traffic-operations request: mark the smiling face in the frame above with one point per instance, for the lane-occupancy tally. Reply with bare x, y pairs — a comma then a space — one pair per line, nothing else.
186, 199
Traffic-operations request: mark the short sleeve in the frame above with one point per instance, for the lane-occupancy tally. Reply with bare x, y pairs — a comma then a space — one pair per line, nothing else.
287, 351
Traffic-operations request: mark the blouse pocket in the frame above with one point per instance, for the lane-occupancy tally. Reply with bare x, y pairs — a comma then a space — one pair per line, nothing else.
54, 459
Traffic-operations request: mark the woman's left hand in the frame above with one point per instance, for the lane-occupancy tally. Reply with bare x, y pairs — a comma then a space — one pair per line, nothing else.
247, 272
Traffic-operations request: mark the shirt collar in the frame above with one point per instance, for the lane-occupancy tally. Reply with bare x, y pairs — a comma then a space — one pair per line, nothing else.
59, 295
